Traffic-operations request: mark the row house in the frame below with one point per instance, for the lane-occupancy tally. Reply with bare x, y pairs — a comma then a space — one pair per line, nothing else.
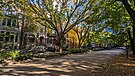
9, 28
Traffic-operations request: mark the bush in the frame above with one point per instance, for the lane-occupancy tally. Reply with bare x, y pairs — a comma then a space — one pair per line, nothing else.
5, 44
6, 54
13, 55
1, 44
76, 50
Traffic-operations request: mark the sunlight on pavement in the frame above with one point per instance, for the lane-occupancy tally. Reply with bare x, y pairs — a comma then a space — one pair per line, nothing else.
65, 66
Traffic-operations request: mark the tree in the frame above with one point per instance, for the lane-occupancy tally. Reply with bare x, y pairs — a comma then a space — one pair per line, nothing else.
130, 9
22, 13
82, 32
126, 20
25, 17
96, 19
72, 38
61, 16
115, 19
4, 4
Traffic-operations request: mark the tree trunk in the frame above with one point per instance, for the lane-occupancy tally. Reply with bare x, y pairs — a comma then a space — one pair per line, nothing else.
79, 45
131, 12
61, 49
61, 43
131, 42
22, 33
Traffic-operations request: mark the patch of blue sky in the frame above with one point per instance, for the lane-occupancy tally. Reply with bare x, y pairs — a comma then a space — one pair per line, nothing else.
35, 2
108, 29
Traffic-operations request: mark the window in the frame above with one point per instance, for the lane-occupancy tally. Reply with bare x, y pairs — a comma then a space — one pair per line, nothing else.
49, 40
9, 22
31, 38
1, 22
2, 31
4, 22
41, 30
7, 36
1, 38
7, 33
2, 35
12, 38
14, 23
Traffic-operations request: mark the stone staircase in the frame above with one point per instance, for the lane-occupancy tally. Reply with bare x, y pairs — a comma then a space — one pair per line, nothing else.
38, 52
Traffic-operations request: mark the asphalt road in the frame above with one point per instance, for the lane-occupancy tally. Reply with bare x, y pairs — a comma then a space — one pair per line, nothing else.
70, 65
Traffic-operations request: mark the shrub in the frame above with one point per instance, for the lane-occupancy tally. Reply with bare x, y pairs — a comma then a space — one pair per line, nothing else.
6, 54
5, 44
13, 55
1, 44
76, 50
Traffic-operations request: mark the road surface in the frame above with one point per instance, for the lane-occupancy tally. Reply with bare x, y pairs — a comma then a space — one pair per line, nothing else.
70, 65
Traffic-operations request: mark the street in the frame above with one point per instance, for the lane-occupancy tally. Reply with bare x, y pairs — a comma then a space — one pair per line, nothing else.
70, 65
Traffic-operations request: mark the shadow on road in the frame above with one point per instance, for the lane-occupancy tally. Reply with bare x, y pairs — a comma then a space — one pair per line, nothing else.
72, 65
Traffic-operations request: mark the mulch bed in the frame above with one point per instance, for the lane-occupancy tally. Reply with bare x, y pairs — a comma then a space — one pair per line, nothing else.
118, 66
